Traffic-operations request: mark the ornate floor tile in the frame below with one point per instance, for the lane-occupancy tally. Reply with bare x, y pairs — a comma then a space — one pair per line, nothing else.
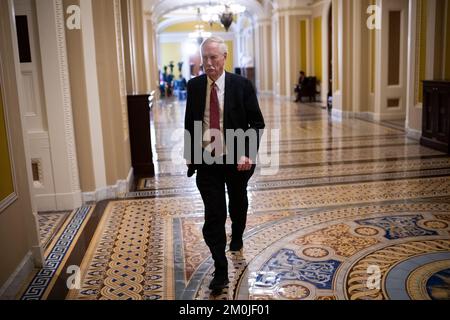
49, 224
339, 238
356, 211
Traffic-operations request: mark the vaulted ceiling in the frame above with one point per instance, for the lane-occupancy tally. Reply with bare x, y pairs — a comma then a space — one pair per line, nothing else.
169, 12
160, 8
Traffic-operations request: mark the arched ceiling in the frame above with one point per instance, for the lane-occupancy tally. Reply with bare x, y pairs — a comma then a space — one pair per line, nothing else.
169, 12
160, 8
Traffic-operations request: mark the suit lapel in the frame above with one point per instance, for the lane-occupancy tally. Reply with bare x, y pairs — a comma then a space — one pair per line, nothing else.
202, 96
227, 98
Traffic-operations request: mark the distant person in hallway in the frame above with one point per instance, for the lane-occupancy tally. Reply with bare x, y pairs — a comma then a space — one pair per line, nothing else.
300, 85
182, 82
306, 87
221, 101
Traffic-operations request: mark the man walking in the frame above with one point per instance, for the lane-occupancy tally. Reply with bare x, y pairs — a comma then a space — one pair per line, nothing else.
220, 103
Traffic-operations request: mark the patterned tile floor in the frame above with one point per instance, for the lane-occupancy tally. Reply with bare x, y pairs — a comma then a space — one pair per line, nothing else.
49, 224
356, 211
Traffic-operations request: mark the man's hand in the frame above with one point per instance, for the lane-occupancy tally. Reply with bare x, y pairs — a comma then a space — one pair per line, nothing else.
244, 164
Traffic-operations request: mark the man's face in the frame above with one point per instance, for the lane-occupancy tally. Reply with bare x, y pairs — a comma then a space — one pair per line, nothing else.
213, 60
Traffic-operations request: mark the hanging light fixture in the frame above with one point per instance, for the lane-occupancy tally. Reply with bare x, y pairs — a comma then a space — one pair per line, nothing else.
224, 13
226, 18
199, 34
211, 15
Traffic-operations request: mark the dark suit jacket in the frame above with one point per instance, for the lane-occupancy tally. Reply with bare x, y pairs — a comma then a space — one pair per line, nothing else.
241, 111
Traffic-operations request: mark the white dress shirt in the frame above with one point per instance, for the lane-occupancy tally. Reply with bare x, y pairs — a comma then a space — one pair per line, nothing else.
220, 83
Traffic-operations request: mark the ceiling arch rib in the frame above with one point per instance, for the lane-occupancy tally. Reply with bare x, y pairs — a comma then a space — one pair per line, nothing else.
159, 8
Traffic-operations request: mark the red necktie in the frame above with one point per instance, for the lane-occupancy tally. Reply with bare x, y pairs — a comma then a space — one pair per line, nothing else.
214, 114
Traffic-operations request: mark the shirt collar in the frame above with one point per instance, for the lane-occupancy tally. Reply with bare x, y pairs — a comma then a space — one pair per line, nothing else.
220, 82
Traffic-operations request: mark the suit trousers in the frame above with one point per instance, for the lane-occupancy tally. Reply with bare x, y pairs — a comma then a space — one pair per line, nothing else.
211, 181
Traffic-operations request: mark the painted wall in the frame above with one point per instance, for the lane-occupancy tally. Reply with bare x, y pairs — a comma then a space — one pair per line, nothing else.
190, 27
18, 227
230, 61
422, 54
6, 181
171, 52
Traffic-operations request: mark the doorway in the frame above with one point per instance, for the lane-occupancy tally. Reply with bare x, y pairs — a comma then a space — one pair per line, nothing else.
36, 123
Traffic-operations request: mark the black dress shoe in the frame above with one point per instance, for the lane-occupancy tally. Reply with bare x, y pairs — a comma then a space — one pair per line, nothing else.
236, 245
219, 282
191, 170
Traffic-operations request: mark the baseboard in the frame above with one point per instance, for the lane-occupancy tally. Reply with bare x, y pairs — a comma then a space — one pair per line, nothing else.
366, 115
389, 116
12, 287
110, 192
413, 134
339, 114
58, 202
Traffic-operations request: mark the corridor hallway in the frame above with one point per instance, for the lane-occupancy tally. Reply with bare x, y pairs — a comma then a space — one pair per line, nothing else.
352, 199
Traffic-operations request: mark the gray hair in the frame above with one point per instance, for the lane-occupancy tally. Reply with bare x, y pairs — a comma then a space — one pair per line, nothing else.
222, 45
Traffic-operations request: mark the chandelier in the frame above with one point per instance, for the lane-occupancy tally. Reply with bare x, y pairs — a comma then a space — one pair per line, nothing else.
226, 18
199, 33
224, 13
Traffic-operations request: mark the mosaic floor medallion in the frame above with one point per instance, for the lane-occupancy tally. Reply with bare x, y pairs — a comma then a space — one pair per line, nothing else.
355, 211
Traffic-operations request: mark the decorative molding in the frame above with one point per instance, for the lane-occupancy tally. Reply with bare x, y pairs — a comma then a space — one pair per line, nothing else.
5, 203
67, 101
